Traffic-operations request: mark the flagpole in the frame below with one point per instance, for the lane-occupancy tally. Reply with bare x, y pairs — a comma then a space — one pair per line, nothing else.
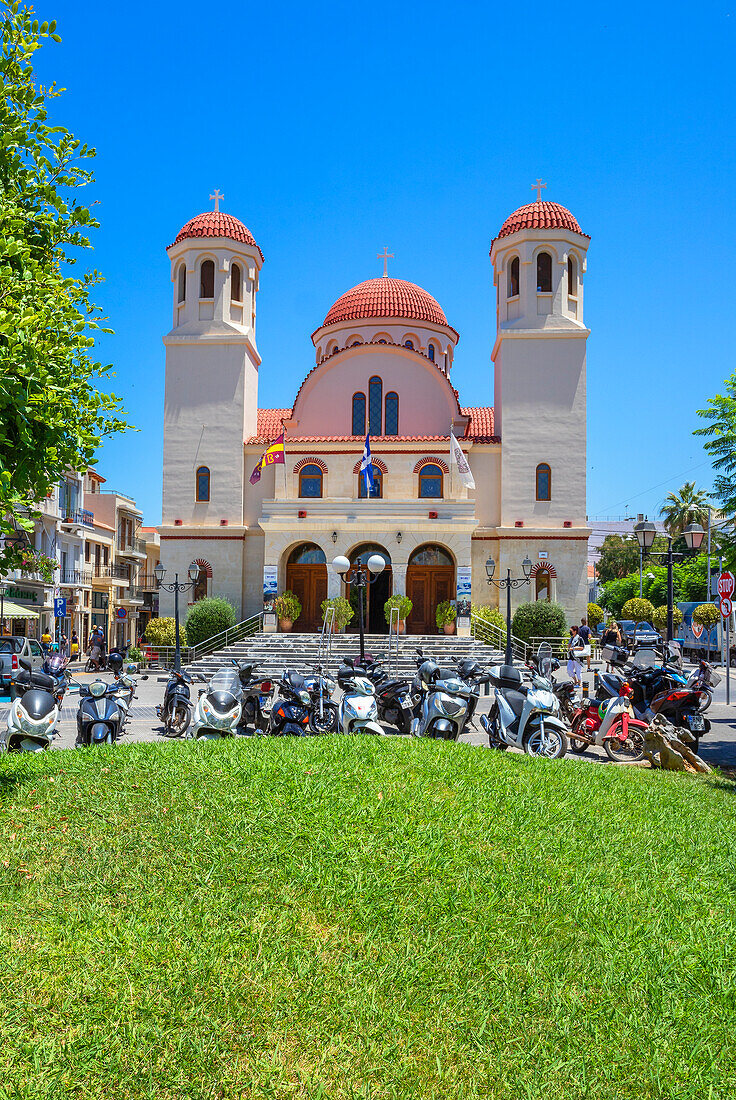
283, 429
451, 457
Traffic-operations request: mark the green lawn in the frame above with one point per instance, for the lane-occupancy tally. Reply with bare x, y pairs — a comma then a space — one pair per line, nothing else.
363, 918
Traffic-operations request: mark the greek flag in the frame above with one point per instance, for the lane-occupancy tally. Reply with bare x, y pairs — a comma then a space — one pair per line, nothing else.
366, 466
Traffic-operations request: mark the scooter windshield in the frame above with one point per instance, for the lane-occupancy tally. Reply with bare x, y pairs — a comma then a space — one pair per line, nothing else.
226, 680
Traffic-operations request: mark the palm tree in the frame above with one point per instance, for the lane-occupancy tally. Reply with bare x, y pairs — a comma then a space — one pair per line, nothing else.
689, 505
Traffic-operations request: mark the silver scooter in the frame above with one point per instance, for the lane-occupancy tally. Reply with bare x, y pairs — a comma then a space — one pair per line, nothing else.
526, 718
448, 702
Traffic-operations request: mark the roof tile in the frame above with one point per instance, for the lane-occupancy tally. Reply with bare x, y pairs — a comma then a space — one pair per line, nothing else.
213, 223
540, 215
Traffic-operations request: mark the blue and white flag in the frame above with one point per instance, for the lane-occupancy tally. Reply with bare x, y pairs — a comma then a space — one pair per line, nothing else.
366, 466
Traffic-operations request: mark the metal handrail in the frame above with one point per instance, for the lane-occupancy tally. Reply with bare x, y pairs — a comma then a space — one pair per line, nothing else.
393, 650
189, 654
490, 634
324, 652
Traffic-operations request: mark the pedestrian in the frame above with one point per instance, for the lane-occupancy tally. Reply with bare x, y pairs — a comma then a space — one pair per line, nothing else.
584, 633
46, 640
574, 664
63, 644
75, 644
611, 637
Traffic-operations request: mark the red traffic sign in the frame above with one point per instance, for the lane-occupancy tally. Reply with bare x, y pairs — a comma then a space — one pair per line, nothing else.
726, 585
726, 607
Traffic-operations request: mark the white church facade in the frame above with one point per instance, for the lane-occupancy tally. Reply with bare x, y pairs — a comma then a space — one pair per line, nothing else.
385, 363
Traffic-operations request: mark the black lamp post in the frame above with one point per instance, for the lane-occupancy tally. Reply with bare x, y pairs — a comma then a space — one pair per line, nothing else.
645, 534
508, 582
176, 586
360, 576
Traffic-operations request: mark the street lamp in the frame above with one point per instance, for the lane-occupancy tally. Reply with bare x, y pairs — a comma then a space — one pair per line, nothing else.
176, 586
645, 534
508, 582
359, 576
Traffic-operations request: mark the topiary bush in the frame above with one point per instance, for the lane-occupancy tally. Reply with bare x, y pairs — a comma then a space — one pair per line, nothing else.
162, 632
489, 615
660, 616
539, 620
403, 603
208, 617
343, 610
641, 611
706, 614
596, 615
288, 606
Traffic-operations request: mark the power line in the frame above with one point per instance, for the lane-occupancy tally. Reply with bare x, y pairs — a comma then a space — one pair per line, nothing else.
667, 481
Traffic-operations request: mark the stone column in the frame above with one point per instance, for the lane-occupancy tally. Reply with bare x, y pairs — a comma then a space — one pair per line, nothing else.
334, 583
399, 578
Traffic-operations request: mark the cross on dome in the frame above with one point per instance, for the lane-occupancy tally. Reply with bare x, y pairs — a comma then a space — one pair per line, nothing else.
216, 198
385, 256
538, 185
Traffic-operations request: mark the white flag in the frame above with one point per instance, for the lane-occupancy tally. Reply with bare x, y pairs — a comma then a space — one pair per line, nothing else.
461, 462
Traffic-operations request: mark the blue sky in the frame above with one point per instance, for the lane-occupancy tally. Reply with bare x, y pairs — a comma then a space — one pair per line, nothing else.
336, 128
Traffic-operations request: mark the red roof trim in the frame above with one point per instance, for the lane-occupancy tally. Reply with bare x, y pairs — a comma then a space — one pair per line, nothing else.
213, 223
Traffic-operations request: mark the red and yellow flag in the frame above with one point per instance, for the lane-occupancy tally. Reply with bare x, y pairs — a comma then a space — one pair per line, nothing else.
273, 456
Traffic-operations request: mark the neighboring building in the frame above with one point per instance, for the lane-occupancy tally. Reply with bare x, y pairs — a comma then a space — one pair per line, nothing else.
385, 362
147, 578
119, 554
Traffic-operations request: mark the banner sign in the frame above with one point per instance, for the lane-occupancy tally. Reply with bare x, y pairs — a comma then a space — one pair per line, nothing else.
463, 595
270, 587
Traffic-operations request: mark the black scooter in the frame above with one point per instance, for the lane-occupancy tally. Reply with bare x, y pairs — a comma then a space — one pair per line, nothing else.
291, 710
397, 700
176, 710
100, 716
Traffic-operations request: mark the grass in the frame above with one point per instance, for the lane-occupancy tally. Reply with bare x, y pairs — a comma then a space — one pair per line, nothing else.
360, 918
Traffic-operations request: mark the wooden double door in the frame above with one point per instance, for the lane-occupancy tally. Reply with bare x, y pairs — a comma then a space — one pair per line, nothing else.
309, 583
426, 586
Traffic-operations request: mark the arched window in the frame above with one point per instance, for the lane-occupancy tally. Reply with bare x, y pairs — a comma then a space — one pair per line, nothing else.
355, 344
182, 283
358, 414
430, 352
512, 288
409, 344
202, 482
543, 585
383, 341
310, 480
377, 490
430, 481
332, 349
391, 421
307, 554
207, 279
544, 482
375, 405
572, 277
544, 273
236, 283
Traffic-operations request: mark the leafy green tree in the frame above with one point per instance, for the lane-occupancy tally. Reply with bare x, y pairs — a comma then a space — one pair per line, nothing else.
719, 431
51, 414
208, 617
539, 620
641, 611
659, 618
618, 557
162, 632
596, 615
617, 592
707, 615
688, 505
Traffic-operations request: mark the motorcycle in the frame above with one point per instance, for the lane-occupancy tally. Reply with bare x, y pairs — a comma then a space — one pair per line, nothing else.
291, 711
35, 707
448, 701
357, 711
323, 712
524, 717
610, 723
396, 700
101, 713
218, 711
176, 709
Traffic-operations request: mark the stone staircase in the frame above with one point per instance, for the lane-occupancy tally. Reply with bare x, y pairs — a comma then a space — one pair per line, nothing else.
275, 652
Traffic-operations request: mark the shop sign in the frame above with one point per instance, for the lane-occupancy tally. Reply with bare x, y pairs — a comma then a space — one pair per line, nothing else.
21, 594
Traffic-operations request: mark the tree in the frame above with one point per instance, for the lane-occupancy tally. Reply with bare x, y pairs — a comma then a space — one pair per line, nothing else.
616, 593
208, 617
689, 505
596, 615
659, 618
162, 632
720, 434
51, 415
641, 611
539, 620
618, 558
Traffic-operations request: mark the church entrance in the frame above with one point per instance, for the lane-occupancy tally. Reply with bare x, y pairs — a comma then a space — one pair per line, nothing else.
374, 595
306, 577
430, 579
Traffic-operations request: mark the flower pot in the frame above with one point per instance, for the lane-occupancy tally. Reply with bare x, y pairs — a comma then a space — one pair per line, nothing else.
449, 628
286, 625
402, 626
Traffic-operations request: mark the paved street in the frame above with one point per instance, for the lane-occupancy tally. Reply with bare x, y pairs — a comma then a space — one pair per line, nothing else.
719, 748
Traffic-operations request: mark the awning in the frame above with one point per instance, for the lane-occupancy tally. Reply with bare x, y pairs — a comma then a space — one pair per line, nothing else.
13, 610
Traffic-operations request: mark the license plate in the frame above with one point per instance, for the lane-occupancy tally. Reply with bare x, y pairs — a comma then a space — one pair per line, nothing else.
696, 721
406, 703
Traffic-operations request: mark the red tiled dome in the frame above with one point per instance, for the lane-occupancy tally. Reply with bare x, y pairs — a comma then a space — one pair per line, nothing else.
213, 223
386, 297
540, 215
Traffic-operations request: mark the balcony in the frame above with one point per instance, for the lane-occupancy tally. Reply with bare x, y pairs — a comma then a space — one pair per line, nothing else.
74, 577
147, 582
129, 545
80, 518
131, 595
111, 572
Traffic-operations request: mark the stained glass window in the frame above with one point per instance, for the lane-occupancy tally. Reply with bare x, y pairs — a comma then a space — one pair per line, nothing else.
377, 490
203, 483
375, 405
391, 426
310, 480
358, 414
544, 482
430, 481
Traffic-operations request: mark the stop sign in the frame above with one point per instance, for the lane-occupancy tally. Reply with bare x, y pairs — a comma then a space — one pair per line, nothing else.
726, 585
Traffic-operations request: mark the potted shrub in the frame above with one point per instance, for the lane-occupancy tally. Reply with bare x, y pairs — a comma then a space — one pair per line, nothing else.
208, 617
343, 612
288, 609
404, 605
445, 616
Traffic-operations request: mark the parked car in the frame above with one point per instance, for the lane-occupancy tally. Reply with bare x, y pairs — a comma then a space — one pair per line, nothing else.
11, 648
639, 634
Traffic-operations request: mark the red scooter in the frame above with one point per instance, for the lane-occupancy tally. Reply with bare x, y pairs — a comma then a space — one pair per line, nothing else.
610, 723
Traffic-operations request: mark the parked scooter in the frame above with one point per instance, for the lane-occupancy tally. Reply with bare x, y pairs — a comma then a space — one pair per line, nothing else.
291, 710
34, 710
357, 711
610, 723
176, 709
397, 700
448, 701
323, 712
101, 713
524, 717
219, 708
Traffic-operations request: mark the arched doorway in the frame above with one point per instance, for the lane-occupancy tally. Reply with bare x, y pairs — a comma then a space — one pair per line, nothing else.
375, 594
544, 577
430, 579
306, 577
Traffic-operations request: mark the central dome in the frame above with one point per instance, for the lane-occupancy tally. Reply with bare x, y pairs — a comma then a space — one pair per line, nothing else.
386, 297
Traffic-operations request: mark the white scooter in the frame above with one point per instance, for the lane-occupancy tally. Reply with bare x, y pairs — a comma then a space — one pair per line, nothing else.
358, 710
34, 711
523, 717
219, 709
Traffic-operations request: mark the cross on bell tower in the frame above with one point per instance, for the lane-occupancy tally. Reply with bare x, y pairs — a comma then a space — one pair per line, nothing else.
385, 256
535, 186
216, 199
